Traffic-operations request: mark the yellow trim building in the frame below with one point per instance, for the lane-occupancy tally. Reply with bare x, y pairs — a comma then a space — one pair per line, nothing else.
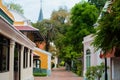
45, 60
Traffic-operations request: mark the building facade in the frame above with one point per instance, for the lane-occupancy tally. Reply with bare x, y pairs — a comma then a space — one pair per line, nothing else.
43, 63
15, 50
93, 58
41, 58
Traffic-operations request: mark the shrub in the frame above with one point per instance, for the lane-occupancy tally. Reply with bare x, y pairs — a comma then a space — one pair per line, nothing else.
62, 63
94, 72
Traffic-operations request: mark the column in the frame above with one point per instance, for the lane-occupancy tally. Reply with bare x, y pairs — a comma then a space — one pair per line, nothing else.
28, 58
49, 65
22, 50
56, 61
32, 59
12, 47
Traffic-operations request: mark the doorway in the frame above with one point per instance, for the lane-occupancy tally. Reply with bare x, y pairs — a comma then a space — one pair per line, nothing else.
17, 62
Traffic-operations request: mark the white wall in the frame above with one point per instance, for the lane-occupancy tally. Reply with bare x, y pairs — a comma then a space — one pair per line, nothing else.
27, 74
116, 68
95, 59
5, 76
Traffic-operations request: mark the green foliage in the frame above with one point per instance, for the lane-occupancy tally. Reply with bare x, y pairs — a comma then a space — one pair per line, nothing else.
16, 7
98, 3
108, 32
48, 25
82, 20
39, 74
83, 16
60, 15
94, 72
79, 67
62, 63
49, 29
56, 27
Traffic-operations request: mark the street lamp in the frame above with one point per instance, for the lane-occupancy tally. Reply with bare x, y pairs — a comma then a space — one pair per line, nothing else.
106, 75
105, 58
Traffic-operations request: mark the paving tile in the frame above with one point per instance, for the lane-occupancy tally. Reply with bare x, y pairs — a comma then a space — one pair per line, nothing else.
60, 74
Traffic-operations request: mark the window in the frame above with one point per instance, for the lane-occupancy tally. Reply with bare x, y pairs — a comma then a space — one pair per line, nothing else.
4, 53
88, 58
36, 63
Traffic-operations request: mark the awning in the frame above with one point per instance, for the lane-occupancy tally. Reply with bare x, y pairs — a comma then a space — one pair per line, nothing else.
26, 28
35, 31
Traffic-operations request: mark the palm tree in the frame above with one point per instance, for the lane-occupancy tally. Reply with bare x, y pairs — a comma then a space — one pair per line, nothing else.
48, 28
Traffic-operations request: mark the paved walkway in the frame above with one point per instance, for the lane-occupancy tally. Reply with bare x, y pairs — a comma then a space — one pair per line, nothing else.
60, 74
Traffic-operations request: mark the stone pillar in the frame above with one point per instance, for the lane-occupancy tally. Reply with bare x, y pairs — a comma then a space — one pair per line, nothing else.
11, 67
32, 59
28, 58
56, 61
22, 51
49, 65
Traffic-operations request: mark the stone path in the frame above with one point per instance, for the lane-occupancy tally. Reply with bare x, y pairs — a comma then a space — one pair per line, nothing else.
60, 74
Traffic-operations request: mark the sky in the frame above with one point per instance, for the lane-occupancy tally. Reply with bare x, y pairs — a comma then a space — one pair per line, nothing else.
32, 7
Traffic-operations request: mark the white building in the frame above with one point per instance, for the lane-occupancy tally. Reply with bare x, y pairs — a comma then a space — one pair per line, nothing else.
15, 50
92, 58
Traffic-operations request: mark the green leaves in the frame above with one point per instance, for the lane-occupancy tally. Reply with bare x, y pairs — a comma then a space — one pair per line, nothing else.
98, 3
60, 15
107, 36
83, 16
84, 13
94, 72
16, 7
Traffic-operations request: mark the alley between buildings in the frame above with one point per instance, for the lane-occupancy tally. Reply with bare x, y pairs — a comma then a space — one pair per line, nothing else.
60, 74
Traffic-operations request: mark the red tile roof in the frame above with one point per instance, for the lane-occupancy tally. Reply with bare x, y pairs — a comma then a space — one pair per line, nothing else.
26, 28
37, 35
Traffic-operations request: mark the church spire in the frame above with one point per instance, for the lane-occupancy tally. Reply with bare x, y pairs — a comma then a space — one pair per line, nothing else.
40, 18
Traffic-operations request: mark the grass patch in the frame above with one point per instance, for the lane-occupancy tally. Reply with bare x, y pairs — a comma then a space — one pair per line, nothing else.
40, 74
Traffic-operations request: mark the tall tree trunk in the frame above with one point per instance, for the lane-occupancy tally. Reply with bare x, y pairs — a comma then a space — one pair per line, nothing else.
47, 41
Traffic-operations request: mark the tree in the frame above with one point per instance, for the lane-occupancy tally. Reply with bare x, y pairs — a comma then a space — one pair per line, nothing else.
98, 3
16, 7
83, 16
48, 28
58, 26
60, 15
107, 36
